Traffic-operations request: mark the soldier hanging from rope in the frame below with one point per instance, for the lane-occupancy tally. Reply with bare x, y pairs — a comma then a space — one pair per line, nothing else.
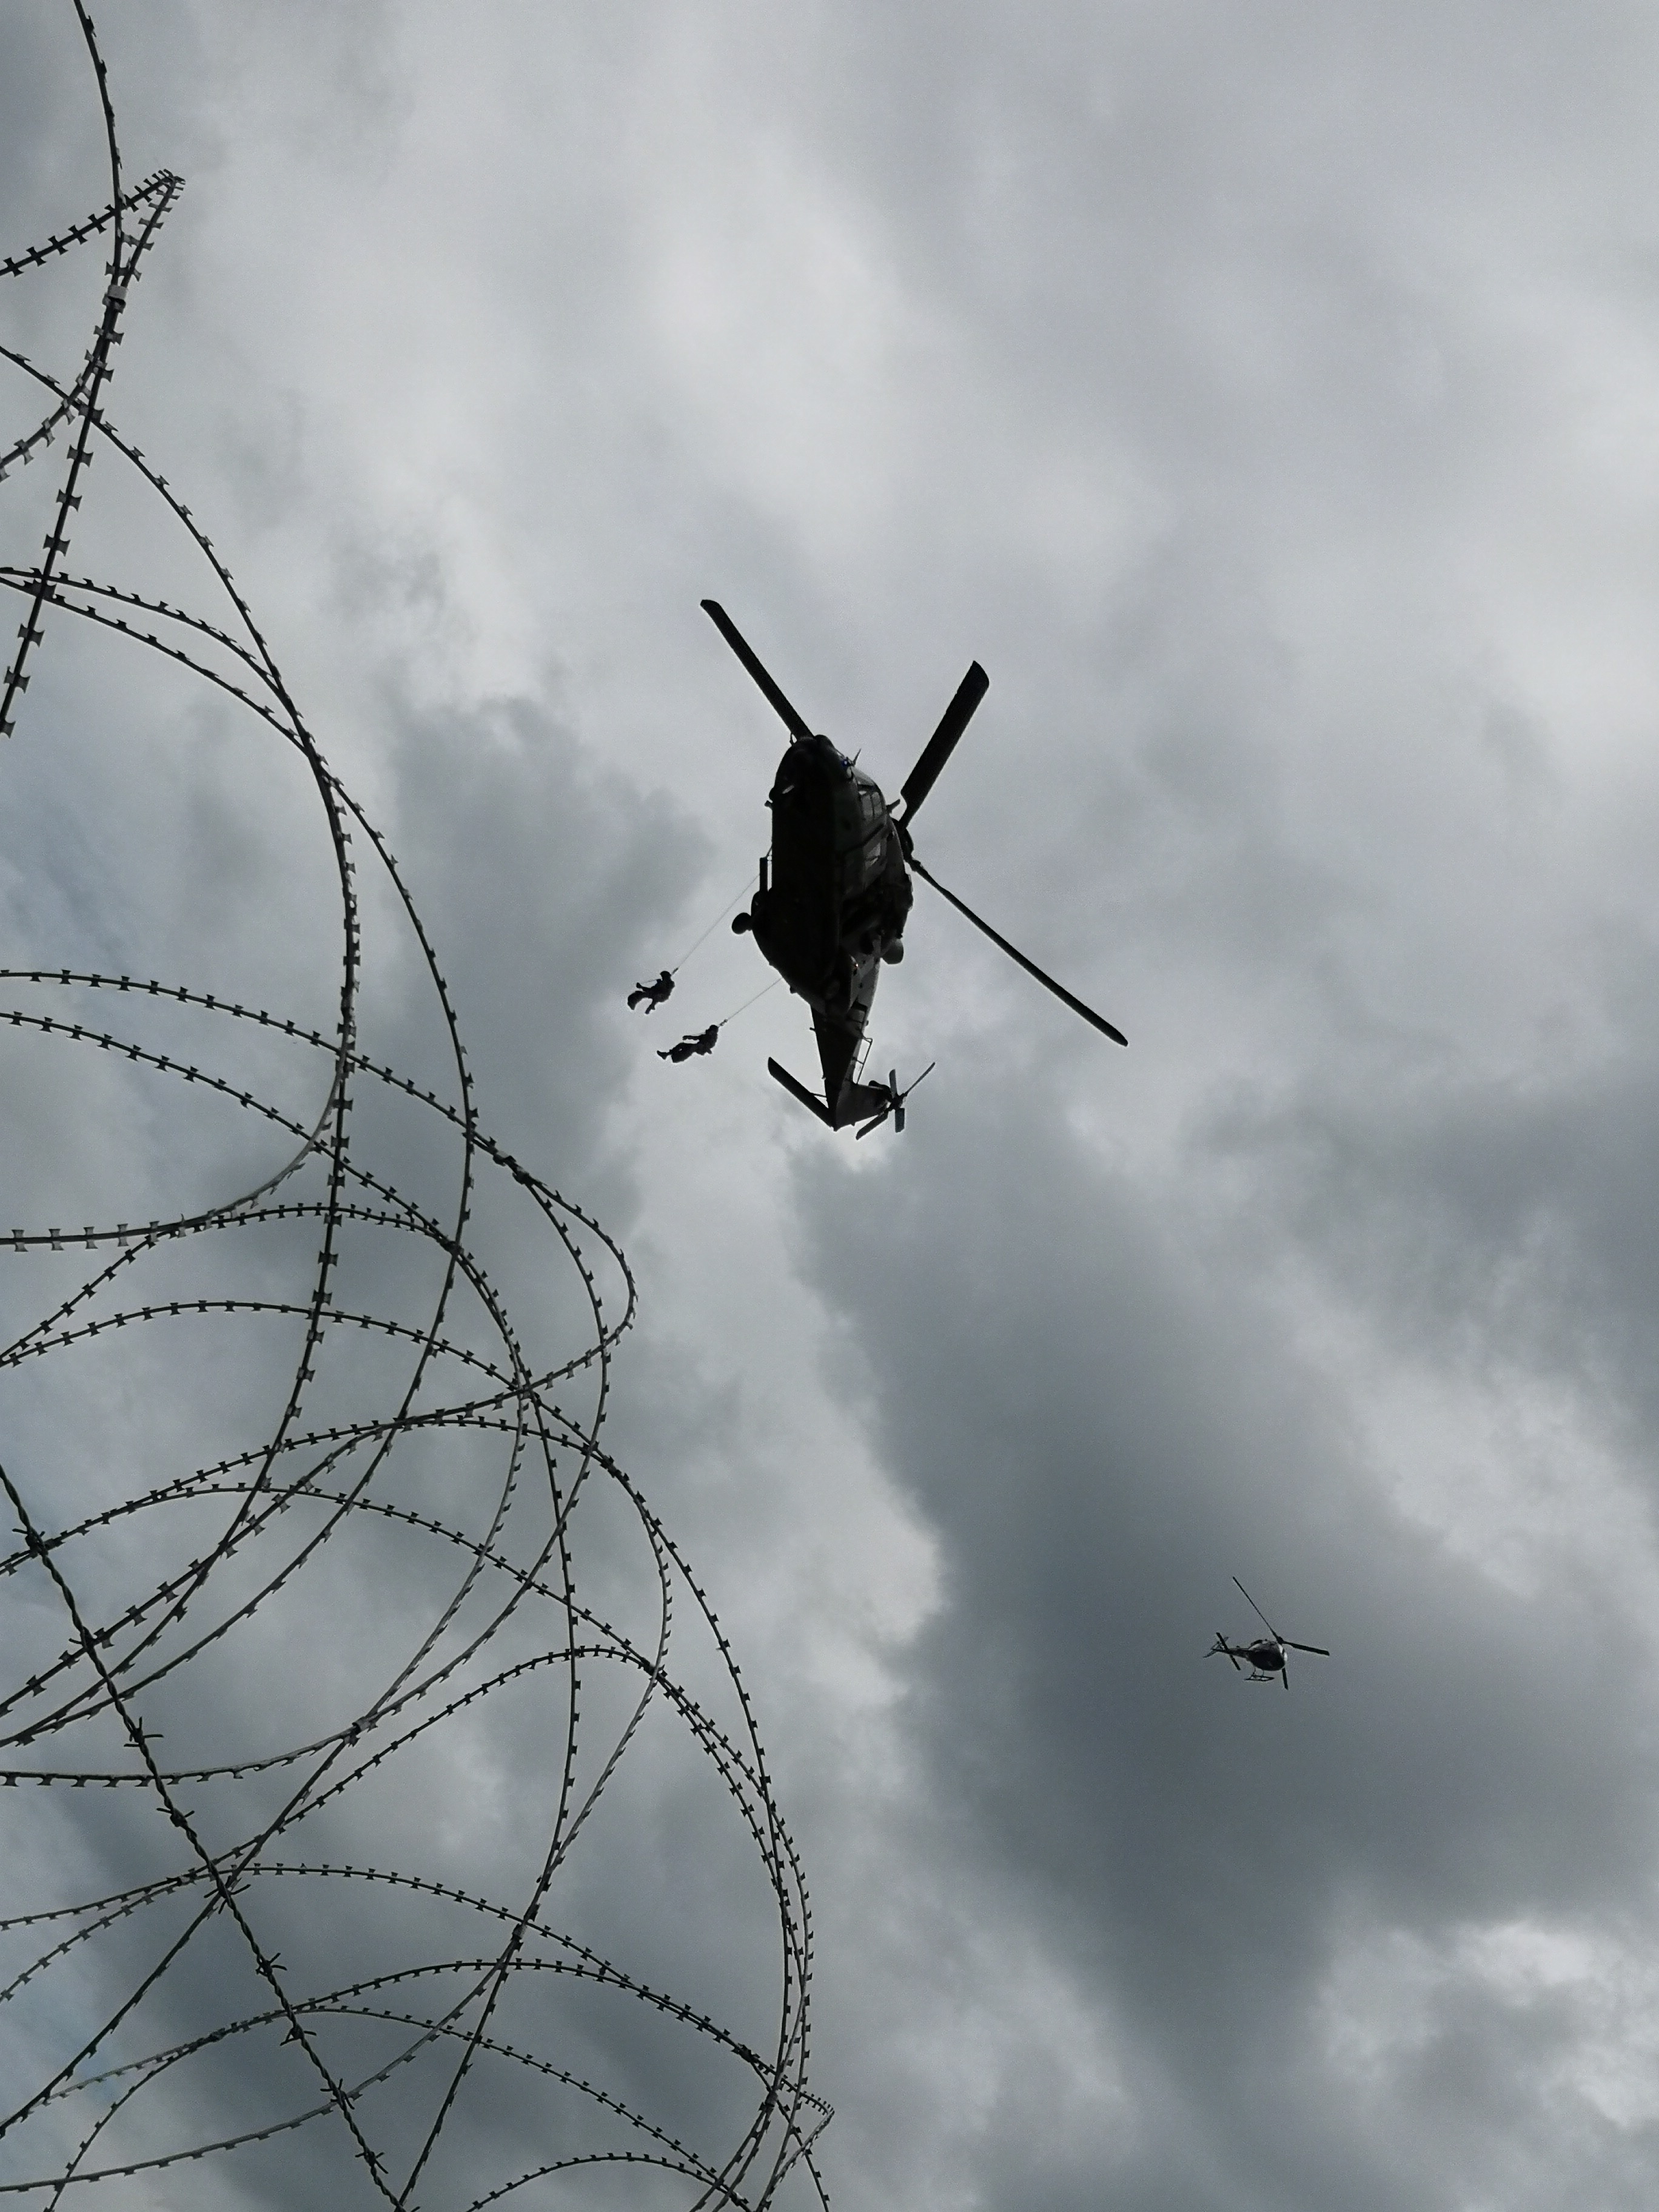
690, 1045
652, 994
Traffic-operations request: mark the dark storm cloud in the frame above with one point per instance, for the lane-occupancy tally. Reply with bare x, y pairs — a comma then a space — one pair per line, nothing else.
1103, 1432
1477, 1220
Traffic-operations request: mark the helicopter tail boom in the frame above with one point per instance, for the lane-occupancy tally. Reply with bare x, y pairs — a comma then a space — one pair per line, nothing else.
797, 1090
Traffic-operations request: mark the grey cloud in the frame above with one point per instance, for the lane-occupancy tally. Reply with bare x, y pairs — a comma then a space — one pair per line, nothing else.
1102, 1434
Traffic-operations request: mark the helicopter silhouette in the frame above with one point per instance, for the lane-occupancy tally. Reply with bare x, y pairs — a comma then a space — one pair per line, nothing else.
1267, 1655
830, 910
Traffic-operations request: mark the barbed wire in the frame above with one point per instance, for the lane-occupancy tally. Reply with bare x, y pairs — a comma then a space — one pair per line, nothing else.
269, 1998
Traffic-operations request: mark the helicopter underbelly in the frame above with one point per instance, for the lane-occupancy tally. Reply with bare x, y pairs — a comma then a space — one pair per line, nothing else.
800, 932
839, 891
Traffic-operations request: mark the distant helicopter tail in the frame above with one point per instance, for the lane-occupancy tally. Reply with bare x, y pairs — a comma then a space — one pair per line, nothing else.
1223, 1648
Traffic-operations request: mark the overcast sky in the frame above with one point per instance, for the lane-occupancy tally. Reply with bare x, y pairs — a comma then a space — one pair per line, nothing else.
1269, 397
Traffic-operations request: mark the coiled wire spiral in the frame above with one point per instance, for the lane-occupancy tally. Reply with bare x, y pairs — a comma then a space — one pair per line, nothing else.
360, 1907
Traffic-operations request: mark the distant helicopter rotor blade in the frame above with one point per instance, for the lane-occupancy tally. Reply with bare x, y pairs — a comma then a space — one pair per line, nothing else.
1319, 1648
739, 645
942, 743
1095, 1020
1276, 1638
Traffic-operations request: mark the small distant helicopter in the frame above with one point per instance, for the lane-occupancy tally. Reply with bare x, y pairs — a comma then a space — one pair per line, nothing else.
833, 908
1267, 1655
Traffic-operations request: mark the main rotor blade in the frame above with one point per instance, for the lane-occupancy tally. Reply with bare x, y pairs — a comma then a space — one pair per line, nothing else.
1278, 1638
1030, 967
942, 743
739, 645
1319, 1648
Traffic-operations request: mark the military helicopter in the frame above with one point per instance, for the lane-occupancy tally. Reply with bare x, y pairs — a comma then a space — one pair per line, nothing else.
832, 908
1267, 1655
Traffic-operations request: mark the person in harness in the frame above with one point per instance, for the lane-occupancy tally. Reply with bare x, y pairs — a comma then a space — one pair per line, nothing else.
690, 1045
651, 996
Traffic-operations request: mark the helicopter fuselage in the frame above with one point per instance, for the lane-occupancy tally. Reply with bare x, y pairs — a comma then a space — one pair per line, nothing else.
832, 906
1265, 1658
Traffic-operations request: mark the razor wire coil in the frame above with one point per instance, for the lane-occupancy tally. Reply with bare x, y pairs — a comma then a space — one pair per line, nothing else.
122, 2004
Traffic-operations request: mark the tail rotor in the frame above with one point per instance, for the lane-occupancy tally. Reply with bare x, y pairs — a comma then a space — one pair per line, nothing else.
894, 1102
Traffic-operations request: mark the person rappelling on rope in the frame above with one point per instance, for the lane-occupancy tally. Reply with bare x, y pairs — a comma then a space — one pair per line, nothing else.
652, 994
690, 1045
695, 1048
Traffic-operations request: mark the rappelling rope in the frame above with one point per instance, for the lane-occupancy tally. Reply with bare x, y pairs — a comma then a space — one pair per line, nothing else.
713, 926
747, 1003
